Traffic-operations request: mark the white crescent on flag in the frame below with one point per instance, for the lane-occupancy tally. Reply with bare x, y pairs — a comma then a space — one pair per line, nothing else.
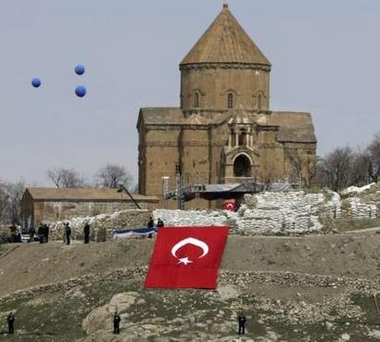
230, 206
192, 241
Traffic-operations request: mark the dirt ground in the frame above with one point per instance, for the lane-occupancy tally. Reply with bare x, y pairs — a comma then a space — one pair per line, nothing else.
353, 254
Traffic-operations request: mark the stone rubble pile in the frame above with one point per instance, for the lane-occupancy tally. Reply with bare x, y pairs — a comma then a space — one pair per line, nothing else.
266, 213
270, 212
102, 226
194, 217
333, 206
362, 210
287, 212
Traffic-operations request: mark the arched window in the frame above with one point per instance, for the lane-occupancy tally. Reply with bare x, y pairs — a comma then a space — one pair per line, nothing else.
196, 99
230, 100
233, 138
243, 137
259, 101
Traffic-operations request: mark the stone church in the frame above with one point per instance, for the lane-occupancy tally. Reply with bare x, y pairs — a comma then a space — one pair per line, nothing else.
224, 131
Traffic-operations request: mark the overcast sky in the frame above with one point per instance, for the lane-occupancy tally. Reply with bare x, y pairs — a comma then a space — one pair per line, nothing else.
325, 59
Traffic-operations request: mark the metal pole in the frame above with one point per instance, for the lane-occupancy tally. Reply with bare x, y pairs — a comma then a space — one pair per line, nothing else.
197, 194
165, 186
129, 194
179, 190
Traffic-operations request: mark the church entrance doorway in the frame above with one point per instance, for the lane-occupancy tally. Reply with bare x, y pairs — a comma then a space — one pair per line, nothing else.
242, 166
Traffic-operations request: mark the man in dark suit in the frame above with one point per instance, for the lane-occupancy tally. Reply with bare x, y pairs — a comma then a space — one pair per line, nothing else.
241, 320
86, 231
67, 233
116, 323
11, 323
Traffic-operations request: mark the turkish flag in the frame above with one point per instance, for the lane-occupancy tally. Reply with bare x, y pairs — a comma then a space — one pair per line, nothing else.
186, 257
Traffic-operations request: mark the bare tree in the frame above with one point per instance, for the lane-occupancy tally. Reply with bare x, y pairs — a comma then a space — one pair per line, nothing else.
360, 172
336, 168
373, 151
303, 168
112, 175
15, 193
10, 199
65, 178
3, 202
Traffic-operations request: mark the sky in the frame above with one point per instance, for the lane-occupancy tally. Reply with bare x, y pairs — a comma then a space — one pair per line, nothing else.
325, 58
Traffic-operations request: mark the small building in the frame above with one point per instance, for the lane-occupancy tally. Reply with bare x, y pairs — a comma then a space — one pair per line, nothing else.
57, 204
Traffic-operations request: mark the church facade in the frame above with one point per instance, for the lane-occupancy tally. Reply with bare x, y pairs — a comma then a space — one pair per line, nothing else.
224, 130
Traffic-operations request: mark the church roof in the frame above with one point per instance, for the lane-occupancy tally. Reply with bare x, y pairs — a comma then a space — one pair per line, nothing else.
294, 126
160, 116
240, 116
225, 41
83, 194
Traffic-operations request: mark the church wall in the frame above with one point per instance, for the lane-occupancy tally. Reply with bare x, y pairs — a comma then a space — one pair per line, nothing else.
195, 156
271, 164
195, 162
161, 155
215, 83
142, 161
271, 156
219, 138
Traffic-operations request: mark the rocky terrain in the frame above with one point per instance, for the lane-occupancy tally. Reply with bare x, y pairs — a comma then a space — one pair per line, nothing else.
311, 288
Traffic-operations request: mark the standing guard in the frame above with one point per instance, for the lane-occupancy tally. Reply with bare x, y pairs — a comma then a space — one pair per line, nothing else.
11, 323
116, 323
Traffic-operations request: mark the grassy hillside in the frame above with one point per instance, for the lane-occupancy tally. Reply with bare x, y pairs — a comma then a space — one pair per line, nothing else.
313, 288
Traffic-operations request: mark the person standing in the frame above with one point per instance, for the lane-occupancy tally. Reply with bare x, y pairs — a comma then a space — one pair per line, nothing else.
41, 233
86, 231
32, 231
11, 323
46, 232
67, 233
150, 222
160, 223
241, 320
116, 323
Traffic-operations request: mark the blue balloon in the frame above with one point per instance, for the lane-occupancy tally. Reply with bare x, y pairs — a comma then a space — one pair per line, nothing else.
79, 69
36, 82
80, 91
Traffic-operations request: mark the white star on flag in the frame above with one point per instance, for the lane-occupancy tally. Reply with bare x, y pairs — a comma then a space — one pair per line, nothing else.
184, 261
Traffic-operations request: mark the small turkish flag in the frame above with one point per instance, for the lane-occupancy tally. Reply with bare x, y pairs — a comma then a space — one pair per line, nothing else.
187, 257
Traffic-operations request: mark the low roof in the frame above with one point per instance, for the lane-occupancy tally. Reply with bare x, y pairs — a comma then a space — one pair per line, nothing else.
161, 116
293, 126
85, 194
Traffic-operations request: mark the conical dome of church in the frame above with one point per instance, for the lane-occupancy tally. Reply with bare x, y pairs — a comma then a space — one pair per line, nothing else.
225, 41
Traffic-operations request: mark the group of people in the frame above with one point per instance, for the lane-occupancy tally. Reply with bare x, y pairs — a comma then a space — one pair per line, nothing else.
43, 232
15, 235
116, 323
86, 233
160, 222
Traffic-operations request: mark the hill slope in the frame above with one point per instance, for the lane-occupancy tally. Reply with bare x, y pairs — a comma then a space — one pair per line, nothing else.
292, 289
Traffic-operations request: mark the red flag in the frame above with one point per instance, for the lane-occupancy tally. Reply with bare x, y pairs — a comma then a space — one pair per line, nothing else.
186, 257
